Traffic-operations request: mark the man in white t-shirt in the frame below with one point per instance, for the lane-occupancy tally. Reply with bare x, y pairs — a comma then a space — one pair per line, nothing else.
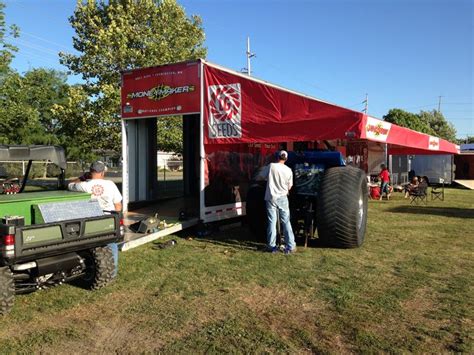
279, 182
103, 191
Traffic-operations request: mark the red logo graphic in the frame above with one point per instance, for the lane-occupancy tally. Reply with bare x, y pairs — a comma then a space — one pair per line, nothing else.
433, 143
377, 130
97, 190
224, 102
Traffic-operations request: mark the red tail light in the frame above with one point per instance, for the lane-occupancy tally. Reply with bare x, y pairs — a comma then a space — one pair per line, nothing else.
9, 239
8, 245
122, 227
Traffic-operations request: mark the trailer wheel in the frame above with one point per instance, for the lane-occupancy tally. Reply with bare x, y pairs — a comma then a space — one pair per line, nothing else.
256, 213
342, 207
99, 268
7, 290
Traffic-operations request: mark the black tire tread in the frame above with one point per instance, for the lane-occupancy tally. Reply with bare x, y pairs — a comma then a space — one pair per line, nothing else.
7, 290
104, 267
337, 211
104, 262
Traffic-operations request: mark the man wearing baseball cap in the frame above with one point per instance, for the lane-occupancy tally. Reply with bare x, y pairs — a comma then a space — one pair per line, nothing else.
279, 182
101, 190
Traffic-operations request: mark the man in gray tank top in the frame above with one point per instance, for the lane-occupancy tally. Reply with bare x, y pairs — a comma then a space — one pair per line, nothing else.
280, 181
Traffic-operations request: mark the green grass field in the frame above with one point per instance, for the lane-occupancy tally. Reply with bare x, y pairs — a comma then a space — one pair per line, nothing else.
408, 289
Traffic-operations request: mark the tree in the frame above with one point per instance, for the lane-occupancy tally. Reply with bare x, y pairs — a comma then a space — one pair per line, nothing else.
170, 134
45, 88
8, 50
408, 120
440, 126
429, 122
77, 124
21, 111
19, 121
118, 35
26, 104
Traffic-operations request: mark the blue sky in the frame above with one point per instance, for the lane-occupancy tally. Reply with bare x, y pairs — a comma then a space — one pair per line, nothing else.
403, 53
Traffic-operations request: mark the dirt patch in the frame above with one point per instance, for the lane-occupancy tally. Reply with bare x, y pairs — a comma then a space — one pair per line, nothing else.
288, 313
414, 319
97, 326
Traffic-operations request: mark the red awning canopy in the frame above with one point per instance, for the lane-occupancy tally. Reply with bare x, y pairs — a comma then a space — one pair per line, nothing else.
238, 109
403, 140
241, 109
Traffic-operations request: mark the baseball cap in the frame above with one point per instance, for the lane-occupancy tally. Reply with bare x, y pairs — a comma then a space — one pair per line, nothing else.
98, 166
282, 154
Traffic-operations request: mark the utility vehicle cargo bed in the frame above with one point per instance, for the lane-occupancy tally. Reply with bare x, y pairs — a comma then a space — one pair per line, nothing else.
21, 204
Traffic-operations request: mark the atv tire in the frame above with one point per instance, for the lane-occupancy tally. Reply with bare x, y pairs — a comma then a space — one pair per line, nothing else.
99, 268
256, 213
7, 290
342, 207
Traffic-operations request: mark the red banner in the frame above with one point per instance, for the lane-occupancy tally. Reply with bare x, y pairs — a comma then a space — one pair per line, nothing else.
239, 109
161, 91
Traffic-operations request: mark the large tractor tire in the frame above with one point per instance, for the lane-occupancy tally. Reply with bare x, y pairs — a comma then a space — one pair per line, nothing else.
256, 213
7, 290
99, 268
342, 207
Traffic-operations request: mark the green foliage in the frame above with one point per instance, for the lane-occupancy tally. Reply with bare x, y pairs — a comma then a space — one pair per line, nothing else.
8, 50
43, 89
25, 100
438, 123
26, 106
407, 119
429, 122
117, 35
20, 117
77, 127
170, 134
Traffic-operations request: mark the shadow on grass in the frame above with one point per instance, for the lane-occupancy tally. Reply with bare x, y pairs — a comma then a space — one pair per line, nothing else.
435, 211
242, 238
238, 237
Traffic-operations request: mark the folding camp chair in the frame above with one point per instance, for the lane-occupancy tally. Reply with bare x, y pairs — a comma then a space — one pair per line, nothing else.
419, 194
437, 191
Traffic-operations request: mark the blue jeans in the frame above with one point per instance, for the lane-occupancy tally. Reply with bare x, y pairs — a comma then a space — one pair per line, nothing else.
114, 248
281, 204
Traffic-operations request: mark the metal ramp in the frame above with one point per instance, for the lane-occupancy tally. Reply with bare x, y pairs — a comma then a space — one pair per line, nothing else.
133, 240
469, 184
168, 212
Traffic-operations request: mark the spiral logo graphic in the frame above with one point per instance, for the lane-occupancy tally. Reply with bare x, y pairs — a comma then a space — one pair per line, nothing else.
224, 101
225, 111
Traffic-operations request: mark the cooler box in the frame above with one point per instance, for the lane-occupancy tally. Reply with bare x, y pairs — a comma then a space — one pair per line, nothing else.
375, 192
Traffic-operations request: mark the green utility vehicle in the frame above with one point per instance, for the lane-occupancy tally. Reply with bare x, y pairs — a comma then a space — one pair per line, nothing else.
49, 237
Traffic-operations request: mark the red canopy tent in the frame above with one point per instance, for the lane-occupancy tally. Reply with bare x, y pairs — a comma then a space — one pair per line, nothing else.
240, 109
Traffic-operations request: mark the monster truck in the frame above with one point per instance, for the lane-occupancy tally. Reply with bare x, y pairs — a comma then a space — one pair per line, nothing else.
327, 196
50, 237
